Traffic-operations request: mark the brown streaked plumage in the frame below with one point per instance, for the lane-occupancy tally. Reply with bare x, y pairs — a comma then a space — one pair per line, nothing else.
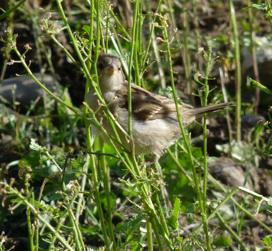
154, 118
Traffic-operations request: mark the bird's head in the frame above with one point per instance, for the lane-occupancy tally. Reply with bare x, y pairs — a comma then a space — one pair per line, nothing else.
110, 72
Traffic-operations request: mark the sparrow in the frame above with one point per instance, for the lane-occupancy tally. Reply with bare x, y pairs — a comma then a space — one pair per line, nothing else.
155, 124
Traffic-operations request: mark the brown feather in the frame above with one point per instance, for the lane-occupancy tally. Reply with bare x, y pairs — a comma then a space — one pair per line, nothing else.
211, 108
146, 106
149, 106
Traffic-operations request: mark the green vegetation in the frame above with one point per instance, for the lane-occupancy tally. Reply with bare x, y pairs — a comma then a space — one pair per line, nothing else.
64, 188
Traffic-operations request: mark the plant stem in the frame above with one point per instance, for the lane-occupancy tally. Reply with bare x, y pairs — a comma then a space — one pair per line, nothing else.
28, 217
186, 54
233, 234
36, 213
253, 53
133, 50
106, 182
183, 133
237, 71
205, 146
77, 233
149, 236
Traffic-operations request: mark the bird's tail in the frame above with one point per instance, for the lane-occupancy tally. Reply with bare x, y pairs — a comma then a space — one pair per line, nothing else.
211, 108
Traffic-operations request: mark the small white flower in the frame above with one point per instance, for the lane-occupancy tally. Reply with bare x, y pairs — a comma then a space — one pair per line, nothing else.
34, 146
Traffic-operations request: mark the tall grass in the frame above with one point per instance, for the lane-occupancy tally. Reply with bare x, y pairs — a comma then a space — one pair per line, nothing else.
238, 74
149, 213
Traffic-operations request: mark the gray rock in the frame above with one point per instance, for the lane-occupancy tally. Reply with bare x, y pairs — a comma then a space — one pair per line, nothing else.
23, 90
231, 174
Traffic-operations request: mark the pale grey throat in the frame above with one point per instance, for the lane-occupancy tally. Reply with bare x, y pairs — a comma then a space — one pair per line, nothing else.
110, 80
111, 76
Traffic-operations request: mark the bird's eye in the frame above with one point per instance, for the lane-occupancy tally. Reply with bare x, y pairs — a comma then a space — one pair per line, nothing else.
119, 68
100, 65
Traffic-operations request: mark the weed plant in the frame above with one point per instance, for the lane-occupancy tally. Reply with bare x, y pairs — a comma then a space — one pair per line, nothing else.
75, 191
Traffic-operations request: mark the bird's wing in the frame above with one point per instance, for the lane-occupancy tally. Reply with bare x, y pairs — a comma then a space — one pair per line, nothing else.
146, 105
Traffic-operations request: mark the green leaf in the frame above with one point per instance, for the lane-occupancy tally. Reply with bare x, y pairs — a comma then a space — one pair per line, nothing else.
223, 241
269, 201
259, 6
267, 240
258, 85
174, 219
108, 201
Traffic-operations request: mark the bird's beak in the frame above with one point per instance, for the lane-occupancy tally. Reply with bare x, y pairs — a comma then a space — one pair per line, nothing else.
109, 70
